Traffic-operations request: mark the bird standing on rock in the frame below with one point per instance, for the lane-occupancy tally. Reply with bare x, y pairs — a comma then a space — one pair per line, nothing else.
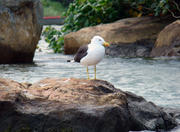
91, 54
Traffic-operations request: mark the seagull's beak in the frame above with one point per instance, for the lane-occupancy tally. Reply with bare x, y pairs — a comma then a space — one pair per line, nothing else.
106, 44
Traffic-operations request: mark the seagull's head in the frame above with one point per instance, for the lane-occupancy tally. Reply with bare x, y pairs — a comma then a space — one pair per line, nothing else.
99, 40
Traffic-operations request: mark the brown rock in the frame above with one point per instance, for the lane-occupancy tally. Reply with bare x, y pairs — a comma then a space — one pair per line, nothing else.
78, 105
168, 41
20, 30
125, 32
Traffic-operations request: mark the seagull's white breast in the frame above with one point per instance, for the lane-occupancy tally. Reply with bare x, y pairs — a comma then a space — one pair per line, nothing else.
95, 54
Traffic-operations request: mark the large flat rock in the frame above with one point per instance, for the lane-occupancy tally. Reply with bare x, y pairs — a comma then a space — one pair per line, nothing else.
78, 105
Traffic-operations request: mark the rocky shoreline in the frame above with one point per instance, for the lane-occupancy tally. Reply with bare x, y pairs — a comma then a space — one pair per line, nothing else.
69, 104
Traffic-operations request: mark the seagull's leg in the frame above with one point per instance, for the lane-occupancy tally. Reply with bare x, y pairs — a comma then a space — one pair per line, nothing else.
95, 72
87, 73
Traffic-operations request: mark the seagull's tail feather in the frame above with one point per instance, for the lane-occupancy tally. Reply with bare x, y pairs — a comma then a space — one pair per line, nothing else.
70, 61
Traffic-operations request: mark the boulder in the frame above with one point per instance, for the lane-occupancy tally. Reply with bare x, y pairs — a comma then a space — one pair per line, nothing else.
20, 30
175, 113
168, 41
128, 37
78, 105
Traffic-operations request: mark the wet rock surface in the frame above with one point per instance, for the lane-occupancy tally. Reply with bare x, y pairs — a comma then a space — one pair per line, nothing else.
20, 30
53, 105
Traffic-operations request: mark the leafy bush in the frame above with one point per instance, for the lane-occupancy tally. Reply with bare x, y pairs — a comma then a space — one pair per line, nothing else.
54, 38
155, 7
84, 13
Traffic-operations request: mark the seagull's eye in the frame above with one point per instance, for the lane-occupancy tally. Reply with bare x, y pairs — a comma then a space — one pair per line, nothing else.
99, 39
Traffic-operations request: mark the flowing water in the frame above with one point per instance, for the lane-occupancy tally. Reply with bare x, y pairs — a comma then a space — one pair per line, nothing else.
158, 80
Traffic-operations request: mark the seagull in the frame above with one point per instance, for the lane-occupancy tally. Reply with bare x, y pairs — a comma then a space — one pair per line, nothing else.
91, 54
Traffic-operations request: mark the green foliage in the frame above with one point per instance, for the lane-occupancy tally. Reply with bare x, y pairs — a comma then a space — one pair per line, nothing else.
55, 39
155, 7
84, 13
52, 8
